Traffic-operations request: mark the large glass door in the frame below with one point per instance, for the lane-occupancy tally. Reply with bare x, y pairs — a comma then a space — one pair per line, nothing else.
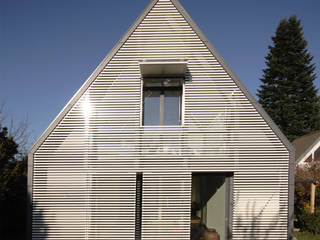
210, 201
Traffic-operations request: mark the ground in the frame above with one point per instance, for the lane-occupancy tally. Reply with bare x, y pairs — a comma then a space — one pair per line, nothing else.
306, 236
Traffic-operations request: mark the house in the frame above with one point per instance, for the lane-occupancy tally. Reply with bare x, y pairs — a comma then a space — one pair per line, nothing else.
162, 141
308, 151
307, 147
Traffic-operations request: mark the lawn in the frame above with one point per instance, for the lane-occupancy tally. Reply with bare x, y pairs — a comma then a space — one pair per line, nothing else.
306, 236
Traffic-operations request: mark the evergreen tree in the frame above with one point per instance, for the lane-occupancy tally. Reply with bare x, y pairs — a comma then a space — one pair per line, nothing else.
287, 92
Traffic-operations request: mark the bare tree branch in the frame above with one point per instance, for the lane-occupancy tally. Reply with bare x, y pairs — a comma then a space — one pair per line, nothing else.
18, 130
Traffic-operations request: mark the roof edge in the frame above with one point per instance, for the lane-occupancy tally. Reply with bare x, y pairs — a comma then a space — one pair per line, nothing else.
238, 82
91, 78
307, 151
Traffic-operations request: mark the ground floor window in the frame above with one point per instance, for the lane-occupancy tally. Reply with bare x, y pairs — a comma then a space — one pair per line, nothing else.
210, 206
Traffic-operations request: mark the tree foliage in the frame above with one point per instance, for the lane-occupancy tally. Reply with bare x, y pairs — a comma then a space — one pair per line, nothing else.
8, 148
287, 92
309, 171
13, 189
307, 221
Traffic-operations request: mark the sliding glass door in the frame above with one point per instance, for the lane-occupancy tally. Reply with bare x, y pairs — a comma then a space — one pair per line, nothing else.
210, 205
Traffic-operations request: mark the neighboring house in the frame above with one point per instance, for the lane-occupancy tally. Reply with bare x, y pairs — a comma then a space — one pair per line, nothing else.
162, 137
307, 148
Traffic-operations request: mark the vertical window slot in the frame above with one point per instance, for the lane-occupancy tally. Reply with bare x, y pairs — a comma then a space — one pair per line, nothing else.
138, 221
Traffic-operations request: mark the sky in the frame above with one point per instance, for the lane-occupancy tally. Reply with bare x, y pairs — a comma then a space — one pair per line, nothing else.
48, 49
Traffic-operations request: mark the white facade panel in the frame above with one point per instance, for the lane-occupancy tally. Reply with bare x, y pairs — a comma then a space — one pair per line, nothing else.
84, 173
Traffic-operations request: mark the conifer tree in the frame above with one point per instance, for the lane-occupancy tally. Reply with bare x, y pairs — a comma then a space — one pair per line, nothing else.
287, 92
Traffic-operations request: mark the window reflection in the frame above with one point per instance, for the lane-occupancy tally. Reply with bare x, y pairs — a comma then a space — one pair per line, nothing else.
151, 107
172, 107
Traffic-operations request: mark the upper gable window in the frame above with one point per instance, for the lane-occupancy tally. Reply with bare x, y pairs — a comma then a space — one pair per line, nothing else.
162, 92
161, 105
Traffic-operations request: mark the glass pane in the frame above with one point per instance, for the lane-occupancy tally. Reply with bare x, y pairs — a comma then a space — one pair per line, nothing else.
151, 109
172, 107
208, 209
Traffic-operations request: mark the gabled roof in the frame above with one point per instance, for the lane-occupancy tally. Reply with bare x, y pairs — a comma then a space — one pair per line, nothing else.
305, 144
211, 48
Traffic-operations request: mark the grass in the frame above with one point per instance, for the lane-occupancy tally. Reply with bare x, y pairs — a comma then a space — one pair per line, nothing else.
306, 236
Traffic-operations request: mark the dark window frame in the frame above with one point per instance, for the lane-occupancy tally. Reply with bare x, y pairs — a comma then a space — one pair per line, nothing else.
162, 90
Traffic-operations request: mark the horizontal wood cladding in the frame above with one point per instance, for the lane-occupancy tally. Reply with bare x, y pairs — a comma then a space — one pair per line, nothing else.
84, 175
166, 206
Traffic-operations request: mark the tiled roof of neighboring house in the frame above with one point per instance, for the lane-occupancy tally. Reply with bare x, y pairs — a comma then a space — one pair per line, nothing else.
305, 143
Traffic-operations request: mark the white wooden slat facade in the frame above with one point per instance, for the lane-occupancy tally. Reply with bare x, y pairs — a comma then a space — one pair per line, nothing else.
84, 172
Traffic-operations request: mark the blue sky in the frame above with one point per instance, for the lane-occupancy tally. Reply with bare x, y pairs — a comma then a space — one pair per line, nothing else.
49, 48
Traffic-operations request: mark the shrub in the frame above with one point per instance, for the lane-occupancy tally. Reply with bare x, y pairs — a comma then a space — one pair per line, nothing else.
309, 222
